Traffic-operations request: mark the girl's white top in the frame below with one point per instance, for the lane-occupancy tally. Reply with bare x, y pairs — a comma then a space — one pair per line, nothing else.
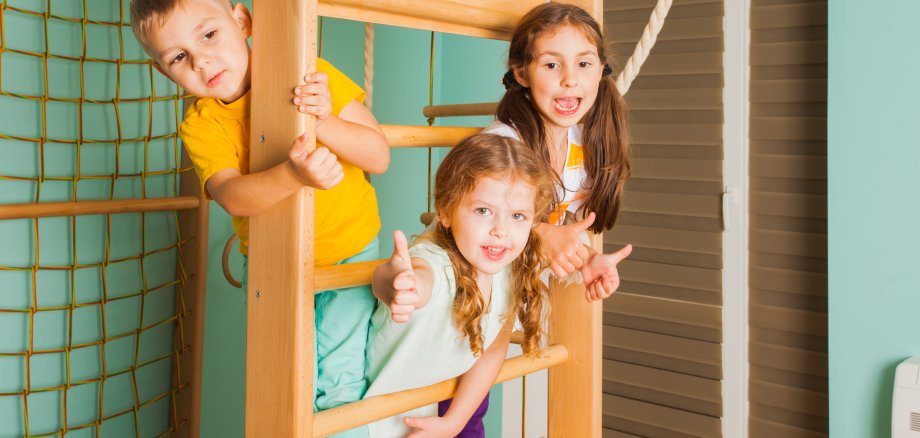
429, 348
574, 179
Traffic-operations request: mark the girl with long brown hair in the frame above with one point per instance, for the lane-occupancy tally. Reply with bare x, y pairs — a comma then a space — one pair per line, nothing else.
558, 78
449, 302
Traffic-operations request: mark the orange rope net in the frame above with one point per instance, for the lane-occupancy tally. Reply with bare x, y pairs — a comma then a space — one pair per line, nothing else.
91, 307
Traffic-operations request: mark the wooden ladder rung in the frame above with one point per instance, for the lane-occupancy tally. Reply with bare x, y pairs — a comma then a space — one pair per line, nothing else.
346, 275
382, 406
460, 110
404, 136
115, 206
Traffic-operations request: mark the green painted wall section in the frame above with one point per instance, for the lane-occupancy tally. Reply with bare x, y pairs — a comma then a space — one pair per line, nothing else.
874, 207
69, 324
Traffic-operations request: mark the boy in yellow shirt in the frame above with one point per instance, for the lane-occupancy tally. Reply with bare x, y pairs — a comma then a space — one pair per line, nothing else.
202, 46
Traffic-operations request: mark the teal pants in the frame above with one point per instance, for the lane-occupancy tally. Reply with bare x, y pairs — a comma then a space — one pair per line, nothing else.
342, 320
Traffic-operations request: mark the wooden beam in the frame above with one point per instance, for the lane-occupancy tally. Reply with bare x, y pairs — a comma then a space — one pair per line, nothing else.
480, 18
190, 302
575, 387
382, 406
401, 136
460, 110
279, 334
342, 276
78, 208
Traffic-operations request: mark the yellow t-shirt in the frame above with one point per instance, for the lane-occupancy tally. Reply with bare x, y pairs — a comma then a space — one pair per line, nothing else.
216, 136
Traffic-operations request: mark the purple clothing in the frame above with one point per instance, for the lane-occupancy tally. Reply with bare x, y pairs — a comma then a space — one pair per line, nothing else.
474, 428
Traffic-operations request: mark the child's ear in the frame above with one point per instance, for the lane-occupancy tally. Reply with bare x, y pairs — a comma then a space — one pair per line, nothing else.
159, 68
243, 18
520, 75
445, 221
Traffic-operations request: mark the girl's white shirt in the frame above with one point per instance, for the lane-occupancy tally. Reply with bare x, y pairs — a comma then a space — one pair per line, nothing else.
574, 178
429, 348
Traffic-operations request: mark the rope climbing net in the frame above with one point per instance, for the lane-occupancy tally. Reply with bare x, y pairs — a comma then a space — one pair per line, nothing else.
91, 307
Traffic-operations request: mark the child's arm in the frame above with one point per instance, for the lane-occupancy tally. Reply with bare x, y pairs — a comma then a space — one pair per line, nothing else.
402, 283
353, 135
562, 245
600, 274
248, 195
474, 385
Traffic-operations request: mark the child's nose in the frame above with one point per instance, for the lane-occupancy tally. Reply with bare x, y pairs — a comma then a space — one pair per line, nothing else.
499, 228
199, 62
569, 78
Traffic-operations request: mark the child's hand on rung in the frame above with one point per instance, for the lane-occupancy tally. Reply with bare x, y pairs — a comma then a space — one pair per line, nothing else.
319, 169
600, 274
404, 293
430, 427
314, 97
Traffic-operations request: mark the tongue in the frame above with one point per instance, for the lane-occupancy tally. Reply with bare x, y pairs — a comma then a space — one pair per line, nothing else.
568, 102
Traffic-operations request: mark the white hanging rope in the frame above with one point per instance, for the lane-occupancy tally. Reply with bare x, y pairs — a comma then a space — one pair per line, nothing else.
369, 65
649, 36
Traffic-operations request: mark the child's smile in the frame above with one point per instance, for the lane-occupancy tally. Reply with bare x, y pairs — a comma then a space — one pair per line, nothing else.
492, 222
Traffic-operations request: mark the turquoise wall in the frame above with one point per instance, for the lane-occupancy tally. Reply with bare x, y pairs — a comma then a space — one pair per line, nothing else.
56, 273
874, 208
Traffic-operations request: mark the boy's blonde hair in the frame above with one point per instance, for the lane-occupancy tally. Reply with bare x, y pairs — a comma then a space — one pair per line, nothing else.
149, 14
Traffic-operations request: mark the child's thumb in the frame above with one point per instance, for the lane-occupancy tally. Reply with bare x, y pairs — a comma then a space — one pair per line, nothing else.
415, 422
400, 245
623, 253
585, 223
299, 148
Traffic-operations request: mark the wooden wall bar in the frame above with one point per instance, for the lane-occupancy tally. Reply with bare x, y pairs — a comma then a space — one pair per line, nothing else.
279, 338
480, 18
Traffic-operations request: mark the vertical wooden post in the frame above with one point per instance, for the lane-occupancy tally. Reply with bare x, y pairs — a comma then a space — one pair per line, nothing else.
279, 338
192, 223
575, 387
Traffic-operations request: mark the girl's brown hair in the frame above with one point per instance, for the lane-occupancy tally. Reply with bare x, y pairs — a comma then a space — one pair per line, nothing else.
474, 158
605, 134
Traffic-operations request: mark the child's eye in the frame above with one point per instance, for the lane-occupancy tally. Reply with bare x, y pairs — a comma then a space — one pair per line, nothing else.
552, 65
519, 217
584, 64
482, 210
210, 34
178, 58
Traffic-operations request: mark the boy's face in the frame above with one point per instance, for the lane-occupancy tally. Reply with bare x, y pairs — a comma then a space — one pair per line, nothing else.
202, 47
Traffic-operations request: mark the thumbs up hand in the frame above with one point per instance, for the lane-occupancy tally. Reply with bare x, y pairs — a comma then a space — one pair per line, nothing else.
399, 293
600, 274
562, 245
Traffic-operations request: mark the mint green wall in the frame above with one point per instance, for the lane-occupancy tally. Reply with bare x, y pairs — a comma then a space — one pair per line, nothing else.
874, 207
89, 242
